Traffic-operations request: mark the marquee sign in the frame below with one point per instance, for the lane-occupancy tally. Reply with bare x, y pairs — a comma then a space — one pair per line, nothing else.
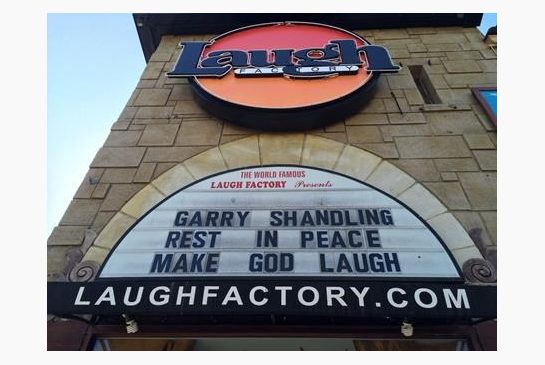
280, 221
283, 76
279, 240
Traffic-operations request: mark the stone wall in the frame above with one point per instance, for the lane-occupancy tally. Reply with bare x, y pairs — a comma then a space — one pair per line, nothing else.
448, 148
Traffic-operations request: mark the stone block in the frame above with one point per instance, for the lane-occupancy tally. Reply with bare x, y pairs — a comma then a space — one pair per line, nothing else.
464, 55
100, 191
490, 220
488, 65
88, 185
188, 107
479, 141
454, 123
390, 34
390, 131
128, 112
96, 254
397, 53
470, 79
144, 172
152, 70
417, 47
363, 134
449, 176
443, 47
320, 152
118, 175
242, 152
143, 201
160, 56
80, 212
281, 148
113, 231
456, 96
173, 179
172, 154
118, 195
419, 169
391, 106
366, 119
462, 66
152, 97
438, 82
206, 163
384, 150
66, 236
413, 97
450, 193
390, 179
181, 92
154, 112
162, 167
382, 90
56, 258
145, 84
421, 30
461, 255
144, 122
118, 157
443, 38
199, 132
356, 162
432, 147
474, 225
456, 164
422, 202
230, 128
451, 231
374, 106
336, 136
487, 159
480, 188
401, 82
335, 127
120, 125
101, 219
407, 118
159, 135
122, 138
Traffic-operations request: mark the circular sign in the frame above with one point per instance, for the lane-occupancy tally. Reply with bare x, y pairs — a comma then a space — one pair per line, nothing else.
283, 76
282, 92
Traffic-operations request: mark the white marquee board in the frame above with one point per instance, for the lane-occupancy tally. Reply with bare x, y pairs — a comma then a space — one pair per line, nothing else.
280, 221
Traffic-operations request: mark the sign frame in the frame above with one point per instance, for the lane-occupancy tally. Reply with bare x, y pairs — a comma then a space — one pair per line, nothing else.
279, 277
289, 118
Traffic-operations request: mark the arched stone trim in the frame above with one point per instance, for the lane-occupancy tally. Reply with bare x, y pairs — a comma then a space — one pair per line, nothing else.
299, 149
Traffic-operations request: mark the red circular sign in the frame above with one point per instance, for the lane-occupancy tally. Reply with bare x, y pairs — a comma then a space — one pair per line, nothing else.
283, 92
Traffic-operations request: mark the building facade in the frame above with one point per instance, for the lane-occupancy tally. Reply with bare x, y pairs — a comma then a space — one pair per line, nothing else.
424, 138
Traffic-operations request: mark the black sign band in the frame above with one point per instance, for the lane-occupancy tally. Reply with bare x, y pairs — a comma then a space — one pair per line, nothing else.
350, 298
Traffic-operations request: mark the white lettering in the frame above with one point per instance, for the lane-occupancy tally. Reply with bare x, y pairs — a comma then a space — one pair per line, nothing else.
207, 294
252, 295
302, 298
190, 295
461, 298
338, 295
390, 297
78, 297
283, 290
419, 301
361, 295
232, 294
107, 296
163, 298
126, 298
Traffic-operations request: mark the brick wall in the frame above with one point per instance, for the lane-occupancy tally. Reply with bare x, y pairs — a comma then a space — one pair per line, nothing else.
450, 148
